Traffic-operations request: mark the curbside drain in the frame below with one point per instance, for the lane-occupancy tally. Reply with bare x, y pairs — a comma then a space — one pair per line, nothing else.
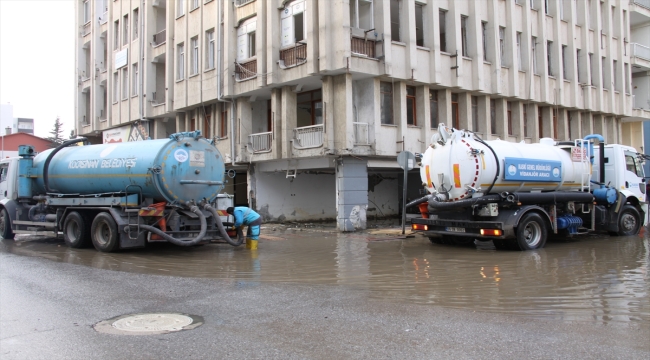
148, 324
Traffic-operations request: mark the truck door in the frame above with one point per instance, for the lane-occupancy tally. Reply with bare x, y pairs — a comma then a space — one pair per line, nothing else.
633, 175
4, 170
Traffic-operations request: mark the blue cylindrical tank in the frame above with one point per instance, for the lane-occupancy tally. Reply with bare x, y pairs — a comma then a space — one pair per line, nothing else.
174, 170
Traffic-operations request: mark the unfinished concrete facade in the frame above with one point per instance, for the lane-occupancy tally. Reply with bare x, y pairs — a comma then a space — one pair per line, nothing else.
310, 101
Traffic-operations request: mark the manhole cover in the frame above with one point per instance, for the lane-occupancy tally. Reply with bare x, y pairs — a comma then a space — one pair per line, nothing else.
148, 324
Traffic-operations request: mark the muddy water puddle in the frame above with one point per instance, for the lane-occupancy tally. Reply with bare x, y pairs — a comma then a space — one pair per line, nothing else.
595, 279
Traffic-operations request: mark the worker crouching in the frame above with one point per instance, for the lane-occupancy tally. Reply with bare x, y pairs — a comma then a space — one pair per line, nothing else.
247, 216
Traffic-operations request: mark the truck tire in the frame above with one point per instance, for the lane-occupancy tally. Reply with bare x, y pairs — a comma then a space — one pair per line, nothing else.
76, 232
5, 225
531, 232
629, 221
104, 233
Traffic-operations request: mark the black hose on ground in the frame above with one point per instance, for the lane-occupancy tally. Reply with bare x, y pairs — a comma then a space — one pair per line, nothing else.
222, 229
204, 227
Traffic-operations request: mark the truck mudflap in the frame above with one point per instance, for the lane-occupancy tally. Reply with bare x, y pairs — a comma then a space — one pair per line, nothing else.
465, 228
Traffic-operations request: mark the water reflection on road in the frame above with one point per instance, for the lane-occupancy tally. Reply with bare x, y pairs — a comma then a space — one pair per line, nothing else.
595, 278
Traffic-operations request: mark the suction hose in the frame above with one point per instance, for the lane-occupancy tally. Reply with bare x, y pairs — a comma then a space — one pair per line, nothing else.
222, 230
173, 240
436, 204
419, 201
46, 165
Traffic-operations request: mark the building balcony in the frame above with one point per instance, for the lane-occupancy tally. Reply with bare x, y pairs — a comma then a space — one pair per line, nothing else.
293, 56
260, 142
640, 55
308, 137
246, 70
361, 133
363, 47
103, 18
85, 29
643, 3
160, 38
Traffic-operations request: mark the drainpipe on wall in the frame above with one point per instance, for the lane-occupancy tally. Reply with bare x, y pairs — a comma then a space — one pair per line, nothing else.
141, 64
219, 91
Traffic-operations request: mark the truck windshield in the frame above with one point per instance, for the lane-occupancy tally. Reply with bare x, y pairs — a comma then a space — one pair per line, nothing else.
633, 165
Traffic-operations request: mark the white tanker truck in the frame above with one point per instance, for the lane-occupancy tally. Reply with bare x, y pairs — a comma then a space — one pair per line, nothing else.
517, 194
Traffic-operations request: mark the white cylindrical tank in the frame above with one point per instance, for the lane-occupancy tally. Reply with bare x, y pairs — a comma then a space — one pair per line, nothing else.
458, 163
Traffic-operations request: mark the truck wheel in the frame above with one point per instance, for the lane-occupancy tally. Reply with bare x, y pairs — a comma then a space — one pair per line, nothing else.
531, 232
436, 240
629, 221
5, 225
76, 233
104, 233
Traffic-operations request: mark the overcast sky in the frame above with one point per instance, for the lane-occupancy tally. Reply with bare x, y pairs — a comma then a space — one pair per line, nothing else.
37, 61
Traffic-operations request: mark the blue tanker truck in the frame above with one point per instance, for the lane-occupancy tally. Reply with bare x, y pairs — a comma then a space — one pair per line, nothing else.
118, 195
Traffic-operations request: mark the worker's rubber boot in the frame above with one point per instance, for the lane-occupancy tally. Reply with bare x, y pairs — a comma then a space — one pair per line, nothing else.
251, 244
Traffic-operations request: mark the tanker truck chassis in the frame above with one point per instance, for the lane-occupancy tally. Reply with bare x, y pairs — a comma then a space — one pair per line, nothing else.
118, 196
519, 195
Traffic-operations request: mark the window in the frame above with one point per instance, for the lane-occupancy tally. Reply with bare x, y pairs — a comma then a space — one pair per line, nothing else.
627, 78
532, 4
433, 102
525, 121
485, 48
125, 31
394, 19
533, 42
361, 14
564, 63
509, 118
134, 84
463, 34
207, 115
194, 56
209, 38
116, 35
561, 5
555, 124
615, 72
309, 110
443, 34
475, 113
180, 8
195, 4
502, 46
180, 65
116, 87
603, 78
386, 94
411, 116
246, 40
493, 116
86, 11
520, 63
293, 23
419, 25
580, 77
631, 164
547, 9
223, 125
549, 47
125, 83
136, 20
540, 123
591, 69
455, 114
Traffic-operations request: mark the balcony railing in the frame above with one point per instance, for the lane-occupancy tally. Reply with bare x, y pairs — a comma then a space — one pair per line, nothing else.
296, 55
157, 99
247, 70
103, 18
644, 3
261, 142
363, 47
641, 51
361, 133
160, 38
308, 136
86, 29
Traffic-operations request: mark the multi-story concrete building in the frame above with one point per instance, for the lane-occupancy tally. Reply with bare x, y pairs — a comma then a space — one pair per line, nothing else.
11, 125
310, 101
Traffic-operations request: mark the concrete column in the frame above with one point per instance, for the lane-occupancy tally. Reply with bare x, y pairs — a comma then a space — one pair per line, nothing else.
465, 110
532, 112
337, 106
502, 118
423, 110
278, 140
599, 126
245, 121
575, 128
483, 116
562, 123
444, 107
351, 193
517, 110
399, 112
288, 120
587, 125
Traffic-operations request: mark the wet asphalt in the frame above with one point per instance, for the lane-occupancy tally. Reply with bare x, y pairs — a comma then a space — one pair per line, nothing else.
311, 293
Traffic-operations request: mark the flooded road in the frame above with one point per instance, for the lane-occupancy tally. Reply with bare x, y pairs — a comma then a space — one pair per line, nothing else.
596, 278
